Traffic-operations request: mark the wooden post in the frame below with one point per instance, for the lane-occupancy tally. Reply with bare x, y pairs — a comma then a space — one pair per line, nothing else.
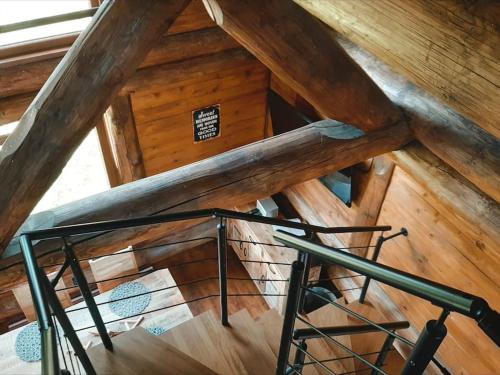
127, 153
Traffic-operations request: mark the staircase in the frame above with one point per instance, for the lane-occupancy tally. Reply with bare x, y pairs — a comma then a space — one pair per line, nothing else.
326, 341
202, 345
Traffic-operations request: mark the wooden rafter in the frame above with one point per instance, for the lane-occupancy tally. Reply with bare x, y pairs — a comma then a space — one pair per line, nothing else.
303, 52
462, 144
71, 102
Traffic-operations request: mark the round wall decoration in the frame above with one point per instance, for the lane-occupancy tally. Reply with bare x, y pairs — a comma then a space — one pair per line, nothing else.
29, 343
127, 307
157, 331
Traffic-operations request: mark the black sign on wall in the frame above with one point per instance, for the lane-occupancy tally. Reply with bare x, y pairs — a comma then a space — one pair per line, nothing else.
206, 123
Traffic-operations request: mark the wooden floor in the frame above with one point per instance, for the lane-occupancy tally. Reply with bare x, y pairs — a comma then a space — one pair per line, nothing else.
256, 306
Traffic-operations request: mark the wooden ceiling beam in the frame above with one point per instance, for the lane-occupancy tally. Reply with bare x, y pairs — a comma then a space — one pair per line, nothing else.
303, 52
447, 48
226, 180
21, 76
461, 143
73, 99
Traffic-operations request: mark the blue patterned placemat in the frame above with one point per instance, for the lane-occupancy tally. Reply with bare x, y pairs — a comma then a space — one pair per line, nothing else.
157, 331
29, 343
130, 306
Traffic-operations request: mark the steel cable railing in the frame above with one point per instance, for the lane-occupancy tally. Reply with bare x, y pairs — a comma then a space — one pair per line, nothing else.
44, 292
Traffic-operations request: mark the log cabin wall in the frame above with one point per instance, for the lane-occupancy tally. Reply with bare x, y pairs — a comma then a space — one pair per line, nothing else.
218, 71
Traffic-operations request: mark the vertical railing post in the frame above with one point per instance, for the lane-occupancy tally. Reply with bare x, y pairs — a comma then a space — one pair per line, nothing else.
50, 358
66, 326
427, 344
376, 253
300, 356
222, 257
306, 259
292, 303
87, 295
382, 355
366, 284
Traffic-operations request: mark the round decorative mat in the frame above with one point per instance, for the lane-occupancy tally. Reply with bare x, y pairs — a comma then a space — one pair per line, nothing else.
29, 343
129, 306
157, 331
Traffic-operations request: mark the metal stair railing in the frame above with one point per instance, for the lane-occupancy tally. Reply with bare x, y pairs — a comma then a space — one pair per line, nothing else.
449, 299
44, 294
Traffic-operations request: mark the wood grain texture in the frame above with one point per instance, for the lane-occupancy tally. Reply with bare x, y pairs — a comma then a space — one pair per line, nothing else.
370, 188
138, 352
73, 99
301, 51
460, 142
107, 153
226, 180
318, 205
164, 98
28, 77
202, 337
474, 213
448, 48
448, 250
12, 108
193, 17
127, 152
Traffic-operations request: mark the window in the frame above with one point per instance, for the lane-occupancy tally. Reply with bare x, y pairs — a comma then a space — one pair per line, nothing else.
340, 184
13, 11
84, 175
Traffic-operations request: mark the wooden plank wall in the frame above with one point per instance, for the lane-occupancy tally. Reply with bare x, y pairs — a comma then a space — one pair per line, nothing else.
440, 247
163, 113
163, 106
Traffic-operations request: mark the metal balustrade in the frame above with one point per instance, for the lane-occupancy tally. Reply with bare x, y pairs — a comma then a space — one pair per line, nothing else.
45, 298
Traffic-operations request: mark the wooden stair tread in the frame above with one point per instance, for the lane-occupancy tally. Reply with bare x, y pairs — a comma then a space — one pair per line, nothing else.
271, 323
250, 342
238, 349
138, 352
202, 338
326, 316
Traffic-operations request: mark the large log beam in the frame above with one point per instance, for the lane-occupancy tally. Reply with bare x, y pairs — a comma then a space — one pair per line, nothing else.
21, 75
127, 154
462, 144
303, 52
71, 102
448, 48
226, 180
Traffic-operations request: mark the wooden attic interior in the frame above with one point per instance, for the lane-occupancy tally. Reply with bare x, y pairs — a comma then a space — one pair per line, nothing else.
402, 96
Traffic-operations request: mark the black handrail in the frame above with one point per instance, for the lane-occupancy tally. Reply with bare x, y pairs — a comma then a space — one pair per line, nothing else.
449, 299
309, 333
102, 226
